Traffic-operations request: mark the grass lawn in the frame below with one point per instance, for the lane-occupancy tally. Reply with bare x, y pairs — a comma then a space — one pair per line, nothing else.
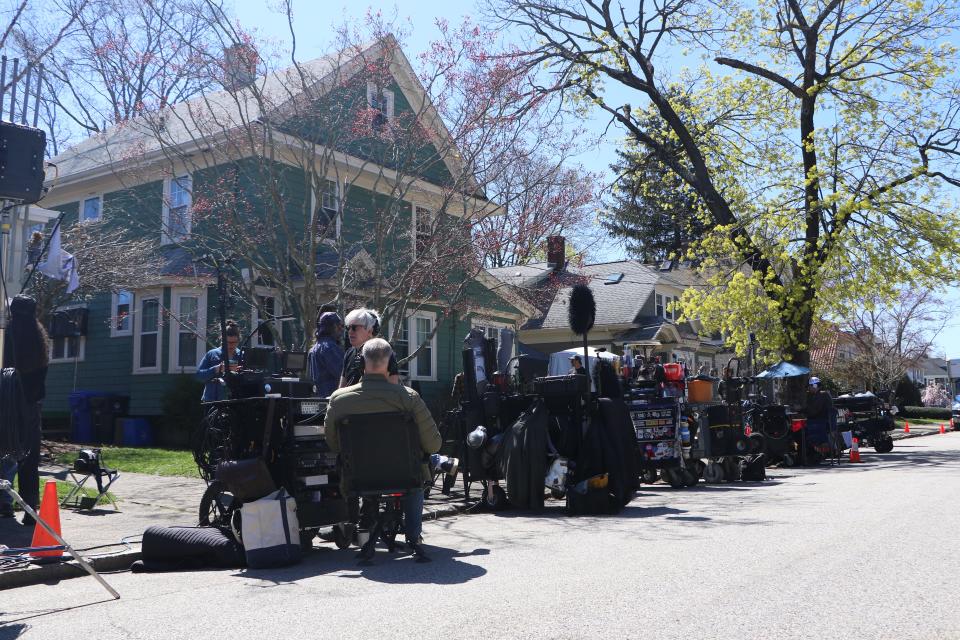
63, 488
159, 462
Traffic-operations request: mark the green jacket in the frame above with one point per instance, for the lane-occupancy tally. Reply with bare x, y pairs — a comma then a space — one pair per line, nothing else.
374, 394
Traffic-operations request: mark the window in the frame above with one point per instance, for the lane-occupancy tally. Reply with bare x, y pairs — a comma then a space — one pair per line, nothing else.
423, 220
669, 308
188, 329
328, 214
265, 309
122, 305
660, 309
380, 100
146, 346
67, 349
91, 209
177, 199
424, 366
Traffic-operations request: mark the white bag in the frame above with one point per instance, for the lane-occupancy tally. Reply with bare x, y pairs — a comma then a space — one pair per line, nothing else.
271, 533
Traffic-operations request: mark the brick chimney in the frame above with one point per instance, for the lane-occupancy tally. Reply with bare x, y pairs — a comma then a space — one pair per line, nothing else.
556, 252
239, 66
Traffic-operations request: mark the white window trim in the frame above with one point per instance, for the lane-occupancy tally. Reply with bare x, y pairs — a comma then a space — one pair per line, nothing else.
414, 214
83, 203
165, 237
387, 93
413, 345
660, 300
314, 209
140, 297
114, 301
255, 314
81, 352
81, 348
201, 294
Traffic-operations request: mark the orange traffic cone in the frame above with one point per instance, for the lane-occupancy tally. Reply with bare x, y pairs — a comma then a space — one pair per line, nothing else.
906, 427
855, 450
49, 513
943, 429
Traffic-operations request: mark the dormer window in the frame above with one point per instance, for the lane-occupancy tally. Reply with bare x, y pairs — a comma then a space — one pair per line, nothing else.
380, 100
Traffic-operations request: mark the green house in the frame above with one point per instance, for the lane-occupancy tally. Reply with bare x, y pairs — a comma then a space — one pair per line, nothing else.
193, 179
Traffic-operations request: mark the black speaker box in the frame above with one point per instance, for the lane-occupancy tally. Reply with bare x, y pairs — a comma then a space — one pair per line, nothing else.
21, 162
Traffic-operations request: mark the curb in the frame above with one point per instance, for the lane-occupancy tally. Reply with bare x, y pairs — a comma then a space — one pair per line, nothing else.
34, 574
45, 573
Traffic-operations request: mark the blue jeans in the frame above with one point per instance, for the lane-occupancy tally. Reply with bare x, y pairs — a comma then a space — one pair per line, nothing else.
8, 469
413, 514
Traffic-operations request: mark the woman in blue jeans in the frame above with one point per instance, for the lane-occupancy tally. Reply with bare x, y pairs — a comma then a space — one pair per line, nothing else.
25, 349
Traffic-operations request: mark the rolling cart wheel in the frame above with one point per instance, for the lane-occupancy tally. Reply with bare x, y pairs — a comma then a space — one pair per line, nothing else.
713, 473
342, 535
788, 460
674, 477
690, 477
648, 476
884, 445
218, 508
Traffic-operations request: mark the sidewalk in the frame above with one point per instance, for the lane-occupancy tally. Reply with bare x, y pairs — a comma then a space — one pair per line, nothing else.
112, 538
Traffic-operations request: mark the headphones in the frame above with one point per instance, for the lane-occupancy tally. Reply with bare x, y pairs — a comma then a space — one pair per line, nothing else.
376, 324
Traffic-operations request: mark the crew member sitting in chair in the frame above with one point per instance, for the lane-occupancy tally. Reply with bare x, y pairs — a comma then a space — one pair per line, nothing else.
375, 394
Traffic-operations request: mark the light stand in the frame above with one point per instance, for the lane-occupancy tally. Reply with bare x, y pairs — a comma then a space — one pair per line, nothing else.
8, 488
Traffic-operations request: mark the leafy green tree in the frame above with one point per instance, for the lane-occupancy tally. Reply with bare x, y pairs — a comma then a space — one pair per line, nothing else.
833, 134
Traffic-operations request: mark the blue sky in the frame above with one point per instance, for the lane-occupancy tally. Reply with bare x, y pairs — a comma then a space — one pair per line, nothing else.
313, 18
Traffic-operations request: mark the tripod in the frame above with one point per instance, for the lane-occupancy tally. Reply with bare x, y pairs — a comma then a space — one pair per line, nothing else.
8, 488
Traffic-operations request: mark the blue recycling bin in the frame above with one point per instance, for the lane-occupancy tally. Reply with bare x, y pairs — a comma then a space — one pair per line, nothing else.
136, 432
81, 418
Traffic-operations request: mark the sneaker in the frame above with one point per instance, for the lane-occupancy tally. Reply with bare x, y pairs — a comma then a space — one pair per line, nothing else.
450, 465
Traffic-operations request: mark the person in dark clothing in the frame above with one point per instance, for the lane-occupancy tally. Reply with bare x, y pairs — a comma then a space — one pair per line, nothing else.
325, 361
362, 325
819, 413
576, 366
25, 349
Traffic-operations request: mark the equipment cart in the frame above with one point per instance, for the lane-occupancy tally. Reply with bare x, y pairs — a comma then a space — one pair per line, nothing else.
868, 417
656, 422
287, 434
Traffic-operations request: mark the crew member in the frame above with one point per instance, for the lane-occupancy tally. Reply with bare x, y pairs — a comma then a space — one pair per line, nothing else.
375, 394
325, 360
819, 409
363, 325
576, 366
212, 367
25, 349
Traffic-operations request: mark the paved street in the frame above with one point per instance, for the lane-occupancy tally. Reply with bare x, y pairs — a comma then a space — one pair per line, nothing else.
849, 552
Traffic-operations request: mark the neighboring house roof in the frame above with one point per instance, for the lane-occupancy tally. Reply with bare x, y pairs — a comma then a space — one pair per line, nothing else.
935, 368
825, 342
617, 303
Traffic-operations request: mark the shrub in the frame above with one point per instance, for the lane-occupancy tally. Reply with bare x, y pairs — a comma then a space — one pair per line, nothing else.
907, 393
932, 413
935, 395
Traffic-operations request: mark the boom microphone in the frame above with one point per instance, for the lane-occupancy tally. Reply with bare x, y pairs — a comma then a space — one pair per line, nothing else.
582, 310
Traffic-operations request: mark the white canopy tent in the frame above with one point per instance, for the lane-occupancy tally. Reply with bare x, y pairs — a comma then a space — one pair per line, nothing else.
560, 361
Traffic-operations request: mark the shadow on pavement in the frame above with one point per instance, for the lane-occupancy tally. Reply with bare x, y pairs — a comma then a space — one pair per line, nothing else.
389, 568
9, 632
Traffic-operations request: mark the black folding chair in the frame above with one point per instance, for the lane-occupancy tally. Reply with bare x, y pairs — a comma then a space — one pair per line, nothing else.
380, 458
88, 465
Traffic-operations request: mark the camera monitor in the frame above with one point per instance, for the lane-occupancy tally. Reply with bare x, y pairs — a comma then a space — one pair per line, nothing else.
294, 361
258, 358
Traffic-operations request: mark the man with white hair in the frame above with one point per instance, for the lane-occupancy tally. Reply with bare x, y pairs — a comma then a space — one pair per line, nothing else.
363, 325
376, 394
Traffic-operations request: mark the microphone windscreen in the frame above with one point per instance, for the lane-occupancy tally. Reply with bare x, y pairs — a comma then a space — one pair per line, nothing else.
582, 309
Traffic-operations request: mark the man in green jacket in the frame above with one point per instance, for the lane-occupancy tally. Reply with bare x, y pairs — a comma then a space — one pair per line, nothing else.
375, 394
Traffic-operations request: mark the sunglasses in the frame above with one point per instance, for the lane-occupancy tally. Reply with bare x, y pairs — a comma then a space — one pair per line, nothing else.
356, 327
